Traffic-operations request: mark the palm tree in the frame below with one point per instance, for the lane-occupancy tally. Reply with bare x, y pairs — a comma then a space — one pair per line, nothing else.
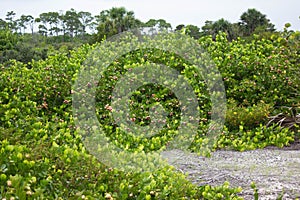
223, 25
253, 19
114, 21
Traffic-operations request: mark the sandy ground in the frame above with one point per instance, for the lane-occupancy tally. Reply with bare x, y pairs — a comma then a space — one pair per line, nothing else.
274, 171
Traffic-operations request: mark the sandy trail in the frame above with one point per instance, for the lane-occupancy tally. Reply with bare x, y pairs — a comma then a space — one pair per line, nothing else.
275, 172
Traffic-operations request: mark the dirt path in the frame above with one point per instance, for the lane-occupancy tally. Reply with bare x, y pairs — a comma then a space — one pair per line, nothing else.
274, 171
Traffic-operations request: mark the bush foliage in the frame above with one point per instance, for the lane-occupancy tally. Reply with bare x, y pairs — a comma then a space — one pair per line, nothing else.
41, 153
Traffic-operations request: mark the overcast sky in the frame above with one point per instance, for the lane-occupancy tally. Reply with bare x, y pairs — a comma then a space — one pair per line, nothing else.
176, 12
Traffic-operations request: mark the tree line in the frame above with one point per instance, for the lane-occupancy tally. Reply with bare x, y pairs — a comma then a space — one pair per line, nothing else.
50, 23
116, 20
30, 38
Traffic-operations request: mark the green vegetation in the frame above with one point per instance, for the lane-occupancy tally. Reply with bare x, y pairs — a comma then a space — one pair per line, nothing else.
28, 38
41, 152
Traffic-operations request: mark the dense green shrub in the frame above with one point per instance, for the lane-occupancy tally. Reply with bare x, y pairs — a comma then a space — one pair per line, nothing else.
41, 153
248, 116
259, 70
259, 137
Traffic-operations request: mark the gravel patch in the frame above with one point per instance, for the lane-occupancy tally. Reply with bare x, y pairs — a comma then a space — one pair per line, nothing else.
275, 172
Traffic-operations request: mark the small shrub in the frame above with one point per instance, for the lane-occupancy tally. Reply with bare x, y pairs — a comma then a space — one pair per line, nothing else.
248, 116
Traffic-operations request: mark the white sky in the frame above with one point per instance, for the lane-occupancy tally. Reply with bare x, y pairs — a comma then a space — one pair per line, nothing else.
176, 12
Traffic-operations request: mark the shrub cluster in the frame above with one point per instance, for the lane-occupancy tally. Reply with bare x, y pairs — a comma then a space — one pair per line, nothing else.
41, 152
